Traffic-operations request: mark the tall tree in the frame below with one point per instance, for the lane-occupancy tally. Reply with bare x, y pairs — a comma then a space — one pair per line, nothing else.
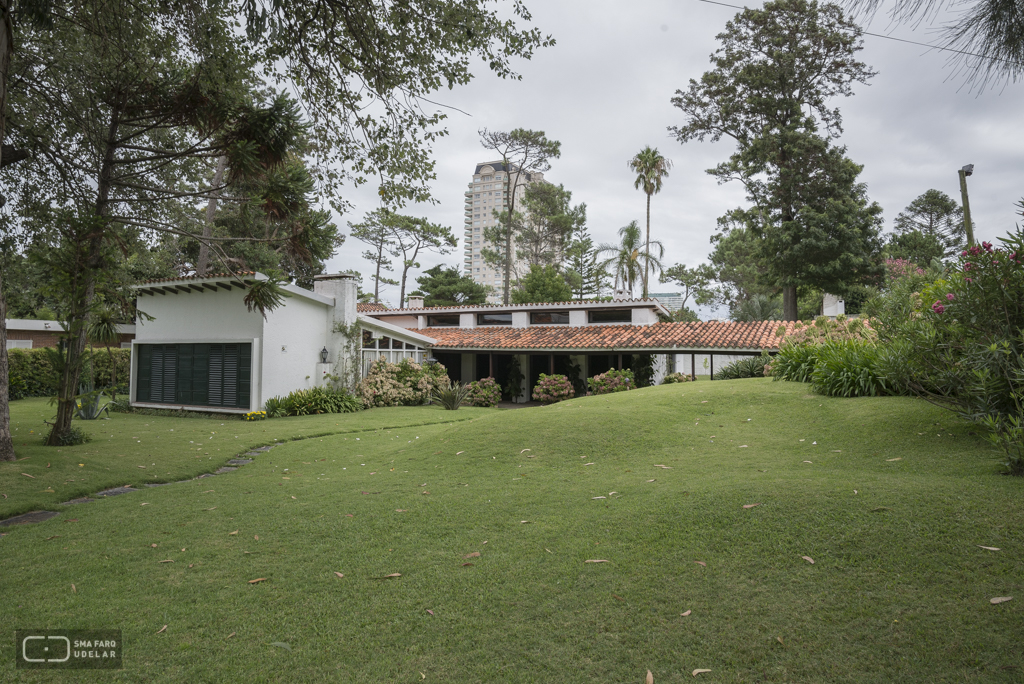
697, 282
376, 231
650, 168
410, 236
629, 258
737, 261
549, 221
522, 152
936, 215
769, 91
583, 271
446, 286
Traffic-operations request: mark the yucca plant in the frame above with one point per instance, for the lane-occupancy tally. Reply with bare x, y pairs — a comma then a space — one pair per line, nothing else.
450, 396
89, 403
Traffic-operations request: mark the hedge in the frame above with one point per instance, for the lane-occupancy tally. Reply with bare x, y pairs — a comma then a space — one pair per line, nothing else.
32, 374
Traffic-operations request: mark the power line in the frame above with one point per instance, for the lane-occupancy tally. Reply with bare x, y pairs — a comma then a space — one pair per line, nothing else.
900, 40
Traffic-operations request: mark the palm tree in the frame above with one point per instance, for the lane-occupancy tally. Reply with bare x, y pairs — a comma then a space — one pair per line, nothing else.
627, 256
760, 307
650, 168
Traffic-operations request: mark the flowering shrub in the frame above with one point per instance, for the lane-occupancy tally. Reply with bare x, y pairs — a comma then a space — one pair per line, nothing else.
255, 415
612, 381
486, 393
676, 377
401, 384
552, 388
963, 345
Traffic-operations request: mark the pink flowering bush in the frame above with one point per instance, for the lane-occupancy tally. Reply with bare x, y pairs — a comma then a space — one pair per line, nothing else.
612, 381
485, 393
406, 383
552, 388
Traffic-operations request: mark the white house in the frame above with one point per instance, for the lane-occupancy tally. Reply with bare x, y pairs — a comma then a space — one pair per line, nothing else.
203, 348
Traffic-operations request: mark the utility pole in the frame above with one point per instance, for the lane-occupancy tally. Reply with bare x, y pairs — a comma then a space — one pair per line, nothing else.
968, 226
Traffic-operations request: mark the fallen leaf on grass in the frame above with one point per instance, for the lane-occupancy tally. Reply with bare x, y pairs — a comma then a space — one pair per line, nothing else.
750, 505
74, 590
391, 576
808, 559
231, 533
988, 548
651, 480
4, 495
616, 596
524, 522
426, 492
210, 509
152, 546
349, 515
144, 504
143, 467
47, 465
167, 561
27, 475
281, 644
522, 452
71, 520
230, 635
459, 452
598, 497
656, 465
475, 554
190, 565
206, 492
401, 510
339, 574
1001, 599
890, 460
258, 580
256, 537
699, 671
162, 630
597, 560
430, 611
293, 497
586, 464
742, 446
807, 461
53, 537
779, 639
466, 564
686, 613
701, 563
880, 508
649, 679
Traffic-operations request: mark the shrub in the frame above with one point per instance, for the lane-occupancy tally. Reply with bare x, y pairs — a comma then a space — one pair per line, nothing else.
73, 437
749, 367
315, 401
612, 381
672, 378
450, 396
552, 388
255, 415
17, 388
851, 368
643, 369
485, 392
794, 362
89, 404
37, 370
275, 407
401, 384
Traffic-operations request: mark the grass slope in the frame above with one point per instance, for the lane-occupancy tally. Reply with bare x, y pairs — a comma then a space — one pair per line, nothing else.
899, 590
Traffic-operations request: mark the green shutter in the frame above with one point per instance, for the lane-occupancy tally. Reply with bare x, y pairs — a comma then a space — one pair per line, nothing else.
244, 376
201, 375
143, 371
183, 375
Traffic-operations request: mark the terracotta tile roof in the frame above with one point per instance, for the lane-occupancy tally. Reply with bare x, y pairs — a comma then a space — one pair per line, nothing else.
660, 336
532, 305
205, 277
363, 307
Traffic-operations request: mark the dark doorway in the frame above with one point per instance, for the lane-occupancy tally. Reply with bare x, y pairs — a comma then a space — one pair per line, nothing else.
538, 364
453, 364
598, 364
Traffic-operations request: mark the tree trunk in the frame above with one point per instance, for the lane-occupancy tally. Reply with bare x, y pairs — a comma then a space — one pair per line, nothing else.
203, 262
6, 47
508, 236
789, 310
647, 261
78, 318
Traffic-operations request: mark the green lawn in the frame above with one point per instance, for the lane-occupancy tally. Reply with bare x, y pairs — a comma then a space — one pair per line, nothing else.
899, 589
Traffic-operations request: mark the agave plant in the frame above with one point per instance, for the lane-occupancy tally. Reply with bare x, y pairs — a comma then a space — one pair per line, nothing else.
89, 403
450, 396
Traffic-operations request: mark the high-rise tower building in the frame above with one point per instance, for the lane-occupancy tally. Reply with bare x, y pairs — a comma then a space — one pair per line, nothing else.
488, 195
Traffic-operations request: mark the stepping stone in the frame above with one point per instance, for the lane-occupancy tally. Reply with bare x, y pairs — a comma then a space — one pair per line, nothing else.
205, 475
33, 517
225, 469
240, 461
116, 491
83, 499
264, 448
157, 484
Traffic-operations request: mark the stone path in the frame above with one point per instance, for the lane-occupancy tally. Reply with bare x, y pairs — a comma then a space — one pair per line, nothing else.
40, 516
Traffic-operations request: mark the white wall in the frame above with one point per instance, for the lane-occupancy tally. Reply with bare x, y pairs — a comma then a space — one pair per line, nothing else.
198, 317
293, 336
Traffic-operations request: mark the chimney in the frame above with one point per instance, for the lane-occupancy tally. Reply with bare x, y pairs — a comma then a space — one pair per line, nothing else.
412, 302
343, 288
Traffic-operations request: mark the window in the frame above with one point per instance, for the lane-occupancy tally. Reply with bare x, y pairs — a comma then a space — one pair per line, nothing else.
21, 344
368, 341
442, 320
549, 318
195, 374
494, 319
610, 316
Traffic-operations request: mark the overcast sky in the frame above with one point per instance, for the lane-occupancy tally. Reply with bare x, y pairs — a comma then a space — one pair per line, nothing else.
604, 91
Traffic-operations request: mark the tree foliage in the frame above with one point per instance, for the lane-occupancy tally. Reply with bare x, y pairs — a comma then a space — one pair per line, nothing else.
628, 259
696, 282
583, 270
773, 77
542, 284
446, 286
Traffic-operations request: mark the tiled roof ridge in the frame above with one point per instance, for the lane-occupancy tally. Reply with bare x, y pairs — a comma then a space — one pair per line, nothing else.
199, 277
528, 304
